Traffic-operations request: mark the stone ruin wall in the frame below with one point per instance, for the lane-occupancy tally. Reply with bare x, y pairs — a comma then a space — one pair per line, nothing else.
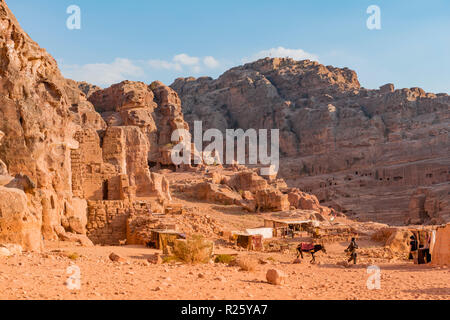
107, 221
111, 167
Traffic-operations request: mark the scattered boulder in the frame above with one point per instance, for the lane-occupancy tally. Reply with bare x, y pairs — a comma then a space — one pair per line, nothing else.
275, 277
80, 239
116, 258
215, 193
220, 279
17, 224
248, 205
304, 201
272, 199
155, 259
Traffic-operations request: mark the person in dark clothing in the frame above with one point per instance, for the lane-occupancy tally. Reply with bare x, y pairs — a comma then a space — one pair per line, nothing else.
414, 244
414, 248
352, 250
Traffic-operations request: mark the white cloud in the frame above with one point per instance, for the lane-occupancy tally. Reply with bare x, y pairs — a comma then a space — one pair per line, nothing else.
211, 62
281, 52
103, 74
106, 74
186, 60
196, 69
162, 64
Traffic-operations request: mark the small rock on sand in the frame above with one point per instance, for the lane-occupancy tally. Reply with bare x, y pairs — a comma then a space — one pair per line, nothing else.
155, 259
275, 277
116, 258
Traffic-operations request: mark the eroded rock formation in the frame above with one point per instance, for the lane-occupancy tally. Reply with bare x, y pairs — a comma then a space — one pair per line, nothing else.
250, 190
37, 122
76, 159
361, 151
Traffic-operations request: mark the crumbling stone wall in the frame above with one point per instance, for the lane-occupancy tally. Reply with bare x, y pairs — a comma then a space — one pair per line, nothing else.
91, 177
107, 220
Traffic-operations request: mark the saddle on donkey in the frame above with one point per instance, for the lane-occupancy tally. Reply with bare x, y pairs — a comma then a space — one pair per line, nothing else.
307, 246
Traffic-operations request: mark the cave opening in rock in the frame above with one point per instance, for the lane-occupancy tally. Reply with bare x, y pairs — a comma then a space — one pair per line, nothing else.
105, 190
152, 164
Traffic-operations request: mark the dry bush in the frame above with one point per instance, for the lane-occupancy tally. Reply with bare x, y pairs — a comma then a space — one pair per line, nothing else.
224, 258
170, 259
247, 264
73, 256
195, 250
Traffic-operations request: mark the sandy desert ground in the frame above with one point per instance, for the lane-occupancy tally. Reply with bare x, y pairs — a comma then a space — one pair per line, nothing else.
45, 276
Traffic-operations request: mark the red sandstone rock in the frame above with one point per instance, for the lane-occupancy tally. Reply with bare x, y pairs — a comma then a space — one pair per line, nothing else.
215, 193
38, 124
63, 152
18, 224
430, 205
116, 258
363, 151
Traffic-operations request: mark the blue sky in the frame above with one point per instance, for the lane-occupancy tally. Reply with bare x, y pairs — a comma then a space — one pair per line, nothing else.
150, 40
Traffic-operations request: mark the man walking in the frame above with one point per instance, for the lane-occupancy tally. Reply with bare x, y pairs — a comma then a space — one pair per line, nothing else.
352, 250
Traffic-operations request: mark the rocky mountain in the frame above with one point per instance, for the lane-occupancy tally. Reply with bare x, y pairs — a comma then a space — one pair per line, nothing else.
380, 155
79, 163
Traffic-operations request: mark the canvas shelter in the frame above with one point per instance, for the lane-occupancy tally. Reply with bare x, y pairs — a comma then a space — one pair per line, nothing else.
440, 252
161, 239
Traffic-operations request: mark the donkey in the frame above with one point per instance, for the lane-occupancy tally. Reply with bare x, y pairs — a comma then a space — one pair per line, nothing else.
311, 248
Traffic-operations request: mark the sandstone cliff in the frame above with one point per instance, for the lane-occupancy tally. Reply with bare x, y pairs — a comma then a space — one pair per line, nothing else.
76, 159
36, 119
361, 151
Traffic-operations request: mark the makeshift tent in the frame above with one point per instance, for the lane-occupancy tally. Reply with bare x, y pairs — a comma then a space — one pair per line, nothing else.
250, 242
161, 239
285, 227
441, 249
266, 233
